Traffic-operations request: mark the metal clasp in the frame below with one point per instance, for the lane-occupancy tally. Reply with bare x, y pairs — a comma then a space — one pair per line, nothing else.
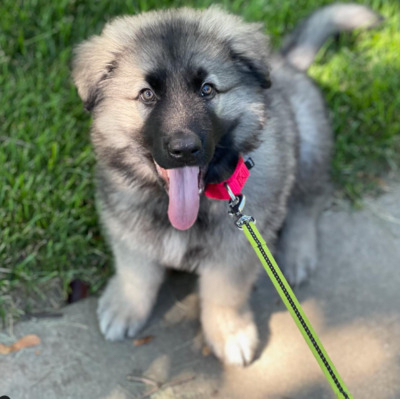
236, 204
243, 220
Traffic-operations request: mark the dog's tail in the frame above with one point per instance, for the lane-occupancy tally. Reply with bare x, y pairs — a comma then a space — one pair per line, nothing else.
301, 46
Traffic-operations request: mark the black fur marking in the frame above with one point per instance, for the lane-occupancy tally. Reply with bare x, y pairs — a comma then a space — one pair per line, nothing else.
157, 81
94, 98
116, 161
225, 158
111, 66
198, 79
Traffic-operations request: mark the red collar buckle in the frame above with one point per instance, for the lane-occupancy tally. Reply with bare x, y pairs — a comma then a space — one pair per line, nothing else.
236, 182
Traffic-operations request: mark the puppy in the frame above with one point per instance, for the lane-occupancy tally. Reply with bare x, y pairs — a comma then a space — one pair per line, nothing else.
177, 98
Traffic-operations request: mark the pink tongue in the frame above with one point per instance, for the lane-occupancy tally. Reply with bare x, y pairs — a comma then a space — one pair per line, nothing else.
184, 196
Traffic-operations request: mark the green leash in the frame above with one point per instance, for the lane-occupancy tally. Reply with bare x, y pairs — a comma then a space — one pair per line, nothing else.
247, 225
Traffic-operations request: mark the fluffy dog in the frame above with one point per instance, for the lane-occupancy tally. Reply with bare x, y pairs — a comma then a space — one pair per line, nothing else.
176, 97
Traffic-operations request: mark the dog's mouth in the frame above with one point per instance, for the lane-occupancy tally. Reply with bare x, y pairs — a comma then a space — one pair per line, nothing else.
184, 186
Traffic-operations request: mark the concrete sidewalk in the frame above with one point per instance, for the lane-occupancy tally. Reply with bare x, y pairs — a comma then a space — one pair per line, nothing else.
353, 302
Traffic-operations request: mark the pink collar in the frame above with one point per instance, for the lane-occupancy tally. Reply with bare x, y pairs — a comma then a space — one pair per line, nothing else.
236, 182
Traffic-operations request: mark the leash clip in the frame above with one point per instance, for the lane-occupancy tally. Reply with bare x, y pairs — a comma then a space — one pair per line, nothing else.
236, 204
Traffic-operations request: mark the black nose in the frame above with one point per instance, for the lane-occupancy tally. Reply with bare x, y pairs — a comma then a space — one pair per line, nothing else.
184, 147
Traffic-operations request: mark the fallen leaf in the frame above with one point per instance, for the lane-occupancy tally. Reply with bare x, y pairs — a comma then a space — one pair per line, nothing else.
143, 341
24, 342
206, 351
4, 349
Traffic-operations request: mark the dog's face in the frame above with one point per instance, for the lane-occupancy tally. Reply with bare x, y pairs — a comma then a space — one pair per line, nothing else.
175, 98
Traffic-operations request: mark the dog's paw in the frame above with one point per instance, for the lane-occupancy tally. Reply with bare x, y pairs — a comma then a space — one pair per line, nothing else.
299, 272
298, 254
238, 347
119, 315
232, 336
300, 264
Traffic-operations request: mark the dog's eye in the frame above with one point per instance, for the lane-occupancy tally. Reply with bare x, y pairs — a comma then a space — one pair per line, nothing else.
207, 90
147, 96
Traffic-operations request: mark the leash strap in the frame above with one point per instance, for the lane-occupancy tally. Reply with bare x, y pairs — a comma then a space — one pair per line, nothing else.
247, 225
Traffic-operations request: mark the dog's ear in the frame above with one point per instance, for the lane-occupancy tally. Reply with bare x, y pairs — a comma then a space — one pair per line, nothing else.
246, 42
94, 62
250, 51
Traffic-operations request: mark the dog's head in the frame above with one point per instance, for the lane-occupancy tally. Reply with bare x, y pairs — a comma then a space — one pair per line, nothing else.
176, 96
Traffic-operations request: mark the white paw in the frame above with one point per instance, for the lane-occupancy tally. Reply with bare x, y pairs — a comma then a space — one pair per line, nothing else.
119, 315
239, 347
232, 336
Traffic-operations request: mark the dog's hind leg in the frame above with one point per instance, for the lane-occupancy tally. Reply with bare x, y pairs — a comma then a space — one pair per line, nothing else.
298, 241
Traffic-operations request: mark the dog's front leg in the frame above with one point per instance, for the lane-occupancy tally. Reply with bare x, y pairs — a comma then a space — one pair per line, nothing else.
128, 300
226, 317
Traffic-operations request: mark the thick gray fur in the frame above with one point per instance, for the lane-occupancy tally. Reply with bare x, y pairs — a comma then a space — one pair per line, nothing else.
285, 129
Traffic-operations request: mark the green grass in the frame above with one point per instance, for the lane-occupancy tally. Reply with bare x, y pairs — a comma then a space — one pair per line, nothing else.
48, 225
